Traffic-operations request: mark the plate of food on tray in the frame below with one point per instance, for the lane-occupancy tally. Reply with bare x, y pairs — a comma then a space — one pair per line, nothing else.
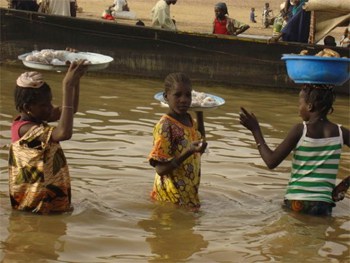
200, 101
59, 60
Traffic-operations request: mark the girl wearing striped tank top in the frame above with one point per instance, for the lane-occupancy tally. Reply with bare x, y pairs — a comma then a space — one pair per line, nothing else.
316, 144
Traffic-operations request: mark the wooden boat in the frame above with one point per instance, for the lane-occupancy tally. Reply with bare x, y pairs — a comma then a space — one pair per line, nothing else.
149, 52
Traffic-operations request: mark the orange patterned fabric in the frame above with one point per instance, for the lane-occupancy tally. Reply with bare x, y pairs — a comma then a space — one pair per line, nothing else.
317, 208
171, 138
297, 205
39, 180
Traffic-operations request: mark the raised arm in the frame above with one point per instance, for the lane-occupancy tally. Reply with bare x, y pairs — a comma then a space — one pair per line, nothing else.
272, 158
70, 90
56, 112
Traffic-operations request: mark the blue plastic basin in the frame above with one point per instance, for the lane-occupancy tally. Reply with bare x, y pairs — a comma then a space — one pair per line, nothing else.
317, 70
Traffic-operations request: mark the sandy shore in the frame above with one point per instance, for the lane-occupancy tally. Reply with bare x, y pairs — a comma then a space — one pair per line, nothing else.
195, 15
190, 15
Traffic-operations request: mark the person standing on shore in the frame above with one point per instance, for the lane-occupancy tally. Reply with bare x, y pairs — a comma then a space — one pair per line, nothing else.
252, 15
224, 25
298, 27
161, 15
58, 7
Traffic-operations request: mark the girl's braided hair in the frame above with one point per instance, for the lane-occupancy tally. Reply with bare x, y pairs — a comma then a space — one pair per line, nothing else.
320, 96
175, 78
29, 95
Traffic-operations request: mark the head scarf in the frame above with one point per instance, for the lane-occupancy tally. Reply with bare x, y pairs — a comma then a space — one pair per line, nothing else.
30, 79
222, 6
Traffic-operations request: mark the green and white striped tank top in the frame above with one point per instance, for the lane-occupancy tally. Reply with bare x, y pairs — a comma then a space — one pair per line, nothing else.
314, 168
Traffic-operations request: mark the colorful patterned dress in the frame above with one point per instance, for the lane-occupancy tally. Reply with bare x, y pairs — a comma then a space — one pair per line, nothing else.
171, 138
39, 180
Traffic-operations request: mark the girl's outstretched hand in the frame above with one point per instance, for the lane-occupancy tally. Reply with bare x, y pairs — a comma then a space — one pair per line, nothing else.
75, 71
248, 120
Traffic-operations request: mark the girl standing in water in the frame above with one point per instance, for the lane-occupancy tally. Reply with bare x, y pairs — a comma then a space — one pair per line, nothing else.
38, 173
317, 144
178, 142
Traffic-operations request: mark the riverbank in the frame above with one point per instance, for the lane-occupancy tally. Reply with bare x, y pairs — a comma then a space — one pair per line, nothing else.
190, 15
194, 15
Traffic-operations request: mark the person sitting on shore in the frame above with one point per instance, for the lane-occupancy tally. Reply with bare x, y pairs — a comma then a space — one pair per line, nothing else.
224, 25
120, 9
161, 15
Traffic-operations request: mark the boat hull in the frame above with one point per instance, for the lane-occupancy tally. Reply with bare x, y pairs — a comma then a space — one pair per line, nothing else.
149, 52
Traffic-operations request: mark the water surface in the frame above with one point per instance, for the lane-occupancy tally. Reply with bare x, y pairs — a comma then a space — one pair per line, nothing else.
241, 219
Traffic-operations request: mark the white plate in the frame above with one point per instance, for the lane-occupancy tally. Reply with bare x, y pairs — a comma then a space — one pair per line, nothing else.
219, 102
97, 61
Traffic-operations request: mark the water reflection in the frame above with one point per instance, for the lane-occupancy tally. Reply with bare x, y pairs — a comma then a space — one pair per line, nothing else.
34, 238
314, 236
173, 238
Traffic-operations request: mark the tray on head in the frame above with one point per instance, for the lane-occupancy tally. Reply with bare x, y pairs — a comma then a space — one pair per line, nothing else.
317, 70
217, 101
59, 60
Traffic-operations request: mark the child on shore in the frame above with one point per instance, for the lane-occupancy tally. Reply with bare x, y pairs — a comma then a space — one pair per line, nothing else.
178, 142
252, 15
316, 143
38, 173
267, 16
224, 25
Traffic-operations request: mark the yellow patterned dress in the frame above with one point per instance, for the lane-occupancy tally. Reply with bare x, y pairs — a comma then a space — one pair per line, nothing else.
171, 138
39, 180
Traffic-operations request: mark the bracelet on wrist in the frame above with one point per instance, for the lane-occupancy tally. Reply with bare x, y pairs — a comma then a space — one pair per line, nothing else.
259, 144
67, 107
